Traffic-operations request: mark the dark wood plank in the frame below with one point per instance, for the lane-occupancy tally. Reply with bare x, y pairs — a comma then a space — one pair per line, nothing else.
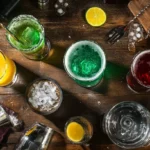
100, 98
135, 6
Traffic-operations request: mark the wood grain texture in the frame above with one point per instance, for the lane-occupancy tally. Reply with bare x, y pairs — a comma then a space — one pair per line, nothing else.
62, 32
135, 6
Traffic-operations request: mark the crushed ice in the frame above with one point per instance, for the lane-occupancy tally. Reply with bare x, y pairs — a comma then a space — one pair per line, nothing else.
43, 96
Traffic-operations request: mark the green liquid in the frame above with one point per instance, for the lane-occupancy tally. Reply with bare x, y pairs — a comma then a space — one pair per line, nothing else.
28, 37
29, 32
85, 61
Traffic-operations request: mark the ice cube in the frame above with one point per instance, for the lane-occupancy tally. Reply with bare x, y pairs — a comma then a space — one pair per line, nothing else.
138, 29
66, 4
60, 11
131, 34
138, 35
30, 36
34, 104
60, 1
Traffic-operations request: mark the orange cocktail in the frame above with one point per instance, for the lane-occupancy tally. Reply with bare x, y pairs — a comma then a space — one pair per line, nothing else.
7, 70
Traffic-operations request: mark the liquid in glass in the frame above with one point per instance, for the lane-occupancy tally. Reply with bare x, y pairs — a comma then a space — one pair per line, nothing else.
85, 62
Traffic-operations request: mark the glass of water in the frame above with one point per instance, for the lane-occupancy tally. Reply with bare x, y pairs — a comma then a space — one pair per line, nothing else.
128, 125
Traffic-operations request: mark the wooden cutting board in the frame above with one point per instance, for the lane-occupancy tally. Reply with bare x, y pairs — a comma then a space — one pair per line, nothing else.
135, 6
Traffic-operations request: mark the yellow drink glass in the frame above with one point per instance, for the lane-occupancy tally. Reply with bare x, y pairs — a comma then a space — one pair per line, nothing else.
78, 130
7, 70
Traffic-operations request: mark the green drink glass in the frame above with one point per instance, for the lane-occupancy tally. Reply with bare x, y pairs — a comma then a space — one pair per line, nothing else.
85, 62
31, 37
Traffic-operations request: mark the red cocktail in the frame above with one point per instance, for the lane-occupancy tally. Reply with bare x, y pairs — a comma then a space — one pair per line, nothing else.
138, 78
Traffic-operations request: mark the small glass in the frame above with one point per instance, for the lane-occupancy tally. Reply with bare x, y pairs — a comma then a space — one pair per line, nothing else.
44, 96
85, 62
78, 130
37, 137
31, 35
7, 71
138, 78
128, 125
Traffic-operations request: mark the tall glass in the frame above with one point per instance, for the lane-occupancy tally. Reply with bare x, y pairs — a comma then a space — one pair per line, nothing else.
85, 62
7, 70
128, 125
31, 37
138, 79
78, 130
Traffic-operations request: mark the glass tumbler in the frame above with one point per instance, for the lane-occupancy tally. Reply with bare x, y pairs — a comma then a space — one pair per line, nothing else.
85, 62
138, 78
127, 124
30, 37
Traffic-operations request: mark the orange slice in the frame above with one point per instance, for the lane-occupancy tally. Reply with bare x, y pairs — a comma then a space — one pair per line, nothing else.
95, 16
75, 132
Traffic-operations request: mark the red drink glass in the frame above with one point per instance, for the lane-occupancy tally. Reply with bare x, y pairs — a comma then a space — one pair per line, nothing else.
138, 79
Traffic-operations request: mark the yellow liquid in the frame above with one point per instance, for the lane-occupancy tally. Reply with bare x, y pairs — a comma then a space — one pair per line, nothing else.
7, 70
75, 132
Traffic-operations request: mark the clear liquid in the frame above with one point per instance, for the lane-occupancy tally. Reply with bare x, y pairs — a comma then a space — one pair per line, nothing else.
127, 125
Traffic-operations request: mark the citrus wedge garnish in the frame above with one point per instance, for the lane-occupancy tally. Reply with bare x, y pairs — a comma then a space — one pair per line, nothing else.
95, 16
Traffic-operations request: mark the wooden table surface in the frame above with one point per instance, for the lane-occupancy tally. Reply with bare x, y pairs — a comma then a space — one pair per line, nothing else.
62, 32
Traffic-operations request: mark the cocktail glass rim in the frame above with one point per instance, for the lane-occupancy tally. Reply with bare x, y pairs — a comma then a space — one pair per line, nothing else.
71, 120
6, 66
135, 59
18, 18
99, 72
108, 114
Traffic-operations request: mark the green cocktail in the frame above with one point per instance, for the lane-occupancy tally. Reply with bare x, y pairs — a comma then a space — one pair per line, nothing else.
31, 36
85, 62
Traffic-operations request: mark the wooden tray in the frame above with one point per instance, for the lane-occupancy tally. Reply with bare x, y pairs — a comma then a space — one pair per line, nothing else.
135, 6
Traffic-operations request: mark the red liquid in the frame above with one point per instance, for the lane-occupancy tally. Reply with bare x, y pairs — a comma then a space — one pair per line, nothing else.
142, 68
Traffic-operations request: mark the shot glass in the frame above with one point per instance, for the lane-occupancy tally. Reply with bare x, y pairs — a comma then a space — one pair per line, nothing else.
44, 96
8, 71
78, 130
85, 62
138, 78
31, 37
127, 124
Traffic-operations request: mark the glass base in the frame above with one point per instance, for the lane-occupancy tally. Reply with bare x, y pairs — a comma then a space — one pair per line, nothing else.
41, 54
13, 82
90, 84
134, 86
